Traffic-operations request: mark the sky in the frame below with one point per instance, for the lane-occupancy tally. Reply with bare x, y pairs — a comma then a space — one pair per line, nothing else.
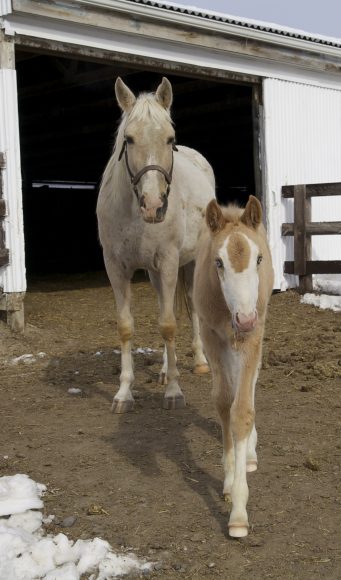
315, 16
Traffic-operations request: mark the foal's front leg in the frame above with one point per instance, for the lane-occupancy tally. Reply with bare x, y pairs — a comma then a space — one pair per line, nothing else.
243, 431
222, 392
123, 400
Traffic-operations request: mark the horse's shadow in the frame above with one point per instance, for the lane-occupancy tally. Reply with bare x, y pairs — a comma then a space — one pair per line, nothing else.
149, 433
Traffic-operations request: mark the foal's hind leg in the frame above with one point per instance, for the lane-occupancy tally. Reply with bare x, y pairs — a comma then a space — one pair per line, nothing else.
165, 284
123, 400
200, 366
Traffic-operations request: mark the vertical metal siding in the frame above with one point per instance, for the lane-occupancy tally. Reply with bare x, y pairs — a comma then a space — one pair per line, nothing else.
12, 277
302, 133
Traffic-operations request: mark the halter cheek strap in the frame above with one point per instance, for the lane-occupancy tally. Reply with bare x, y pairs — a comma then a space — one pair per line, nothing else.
136, 178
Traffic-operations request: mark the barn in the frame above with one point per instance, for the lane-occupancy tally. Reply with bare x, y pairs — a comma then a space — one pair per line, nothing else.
261, 102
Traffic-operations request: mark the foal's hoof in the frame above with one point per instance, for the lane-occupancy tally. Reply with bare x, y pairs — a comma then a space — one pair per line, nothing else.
177, 402
251, 465
238, 530
120, 407
201, 369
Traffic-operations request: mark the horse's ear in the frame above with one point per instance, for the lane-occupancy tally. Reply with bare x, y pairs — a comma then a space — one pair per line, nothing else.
125, 98
252, 215
214, 217
164, 94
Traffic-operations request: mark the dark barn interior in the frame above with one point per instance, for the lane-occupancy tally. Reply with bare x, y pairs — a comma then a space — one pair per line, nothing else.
68, 117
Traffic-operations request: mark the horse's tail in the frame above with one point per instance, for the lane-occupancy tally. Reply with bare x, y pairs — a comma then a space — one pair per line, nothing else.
181, 295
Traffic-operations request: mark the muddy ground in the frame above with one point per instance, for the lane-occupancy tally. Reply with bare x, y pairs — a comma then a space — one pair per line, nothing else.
155, 475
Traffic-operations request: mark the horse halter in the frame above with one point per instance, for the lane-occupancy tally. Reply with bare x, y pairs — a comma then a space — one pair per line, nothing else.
136, 178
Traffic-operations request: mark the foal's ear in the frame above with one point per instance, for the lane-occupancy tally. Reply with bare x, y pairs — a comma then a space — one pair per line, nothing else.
252, 215
214, 217
125, 98
164, 94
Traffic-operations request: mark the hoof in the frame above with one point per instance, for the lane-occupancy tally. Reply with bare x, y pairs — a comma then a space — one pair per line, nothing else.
120, 407
162, 379
238, 530
170, 403
251, 466
201, 369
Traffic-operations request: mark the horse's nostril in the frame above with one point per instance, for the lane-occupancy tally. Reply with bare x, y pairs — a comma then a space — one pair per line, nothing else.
142, 201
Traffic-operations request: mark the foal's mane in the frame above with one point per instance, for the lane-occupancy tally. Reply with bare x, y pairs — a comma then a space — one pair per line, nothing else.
232, 213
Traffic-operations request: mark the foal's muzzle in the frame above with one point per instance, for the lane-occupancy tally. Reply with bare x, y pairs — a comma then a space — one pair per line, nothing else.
245, 323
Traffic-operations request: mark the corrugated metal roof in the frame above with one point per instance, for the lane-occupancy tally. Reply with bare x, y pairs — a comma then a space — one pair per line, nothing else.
244, 22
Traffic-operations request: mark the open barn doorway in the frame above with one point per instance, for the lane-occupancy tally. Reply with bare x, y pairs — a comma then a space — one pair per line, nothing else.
68, 116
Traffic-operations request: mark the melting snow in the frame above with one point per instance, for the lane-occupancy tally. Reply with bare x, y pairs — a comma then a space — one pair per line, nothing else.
332, 300
323, 301
24, 358
26, 553
73, 391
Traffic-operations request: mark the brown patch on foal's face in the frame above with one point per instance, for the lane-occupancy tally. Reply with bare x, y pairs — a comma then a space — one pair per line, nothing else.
238, 251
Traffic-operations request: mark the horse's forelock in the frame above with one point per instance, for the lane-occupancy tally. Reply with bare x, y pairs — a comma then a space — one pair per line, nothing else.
146, 106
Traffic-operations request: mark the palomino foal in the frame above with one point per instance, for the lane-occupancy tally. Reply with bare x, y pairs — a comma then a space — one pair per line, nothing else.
233, 282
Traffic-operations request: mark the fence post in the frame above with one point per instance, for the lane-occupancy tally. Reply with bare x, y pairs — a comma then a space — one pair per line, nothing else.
302, 240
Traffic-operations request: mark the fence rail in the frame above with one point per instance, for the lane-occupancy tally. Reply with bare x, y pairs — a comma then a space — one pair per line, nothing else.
303, 228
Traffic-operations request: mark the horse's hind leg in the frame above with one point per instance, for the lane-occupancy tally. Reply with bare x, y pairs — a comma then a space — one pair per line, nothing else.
123, 400
200, 366
165, 284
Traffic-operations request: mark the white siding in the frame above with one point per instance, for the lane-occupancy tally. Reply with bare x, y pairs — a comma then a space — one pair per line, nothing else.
302, 133
13, 277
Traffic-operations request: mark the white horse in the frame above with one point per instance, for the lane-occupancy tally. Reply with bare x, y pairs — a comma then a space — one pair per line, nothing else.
150, 210
233, 282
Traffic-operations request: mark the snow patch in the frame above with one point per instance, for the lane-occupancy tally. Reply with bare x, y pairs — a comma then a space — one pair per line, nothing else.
145, 350
323, 301
24, 358
26, 553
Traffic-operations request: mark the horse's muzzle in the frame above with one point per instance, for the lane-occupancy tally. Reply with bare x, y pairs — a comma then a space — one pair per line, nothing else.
156, 214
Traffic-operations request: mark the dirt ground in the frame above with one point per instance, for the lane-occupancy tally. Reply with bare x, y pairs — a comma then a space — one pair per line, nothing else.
155, 476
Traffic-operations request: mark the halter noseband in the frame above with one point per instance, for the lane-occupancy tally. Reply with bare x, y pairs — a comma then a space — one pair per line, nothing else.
136, 178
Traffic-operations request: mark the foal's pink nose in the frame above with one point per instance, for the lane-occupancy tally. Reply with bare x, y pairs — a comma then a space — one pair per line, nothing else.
245, 323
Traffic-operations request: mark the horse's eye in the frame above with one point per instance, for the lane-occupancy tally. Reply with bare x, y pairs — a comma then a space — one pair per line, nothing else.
219, 263
259, 259
170, 140
129, 139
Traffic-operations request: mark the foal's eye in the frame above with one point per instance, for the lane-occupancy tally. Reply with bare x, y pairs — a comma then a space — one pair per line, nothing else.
129, 139
170, 140
259, 259
219, 263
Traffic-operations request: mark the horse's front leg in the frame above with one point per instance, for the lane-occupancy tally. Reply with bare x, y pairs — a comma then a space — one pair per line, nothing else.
244, 433
174, 398
123, 400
